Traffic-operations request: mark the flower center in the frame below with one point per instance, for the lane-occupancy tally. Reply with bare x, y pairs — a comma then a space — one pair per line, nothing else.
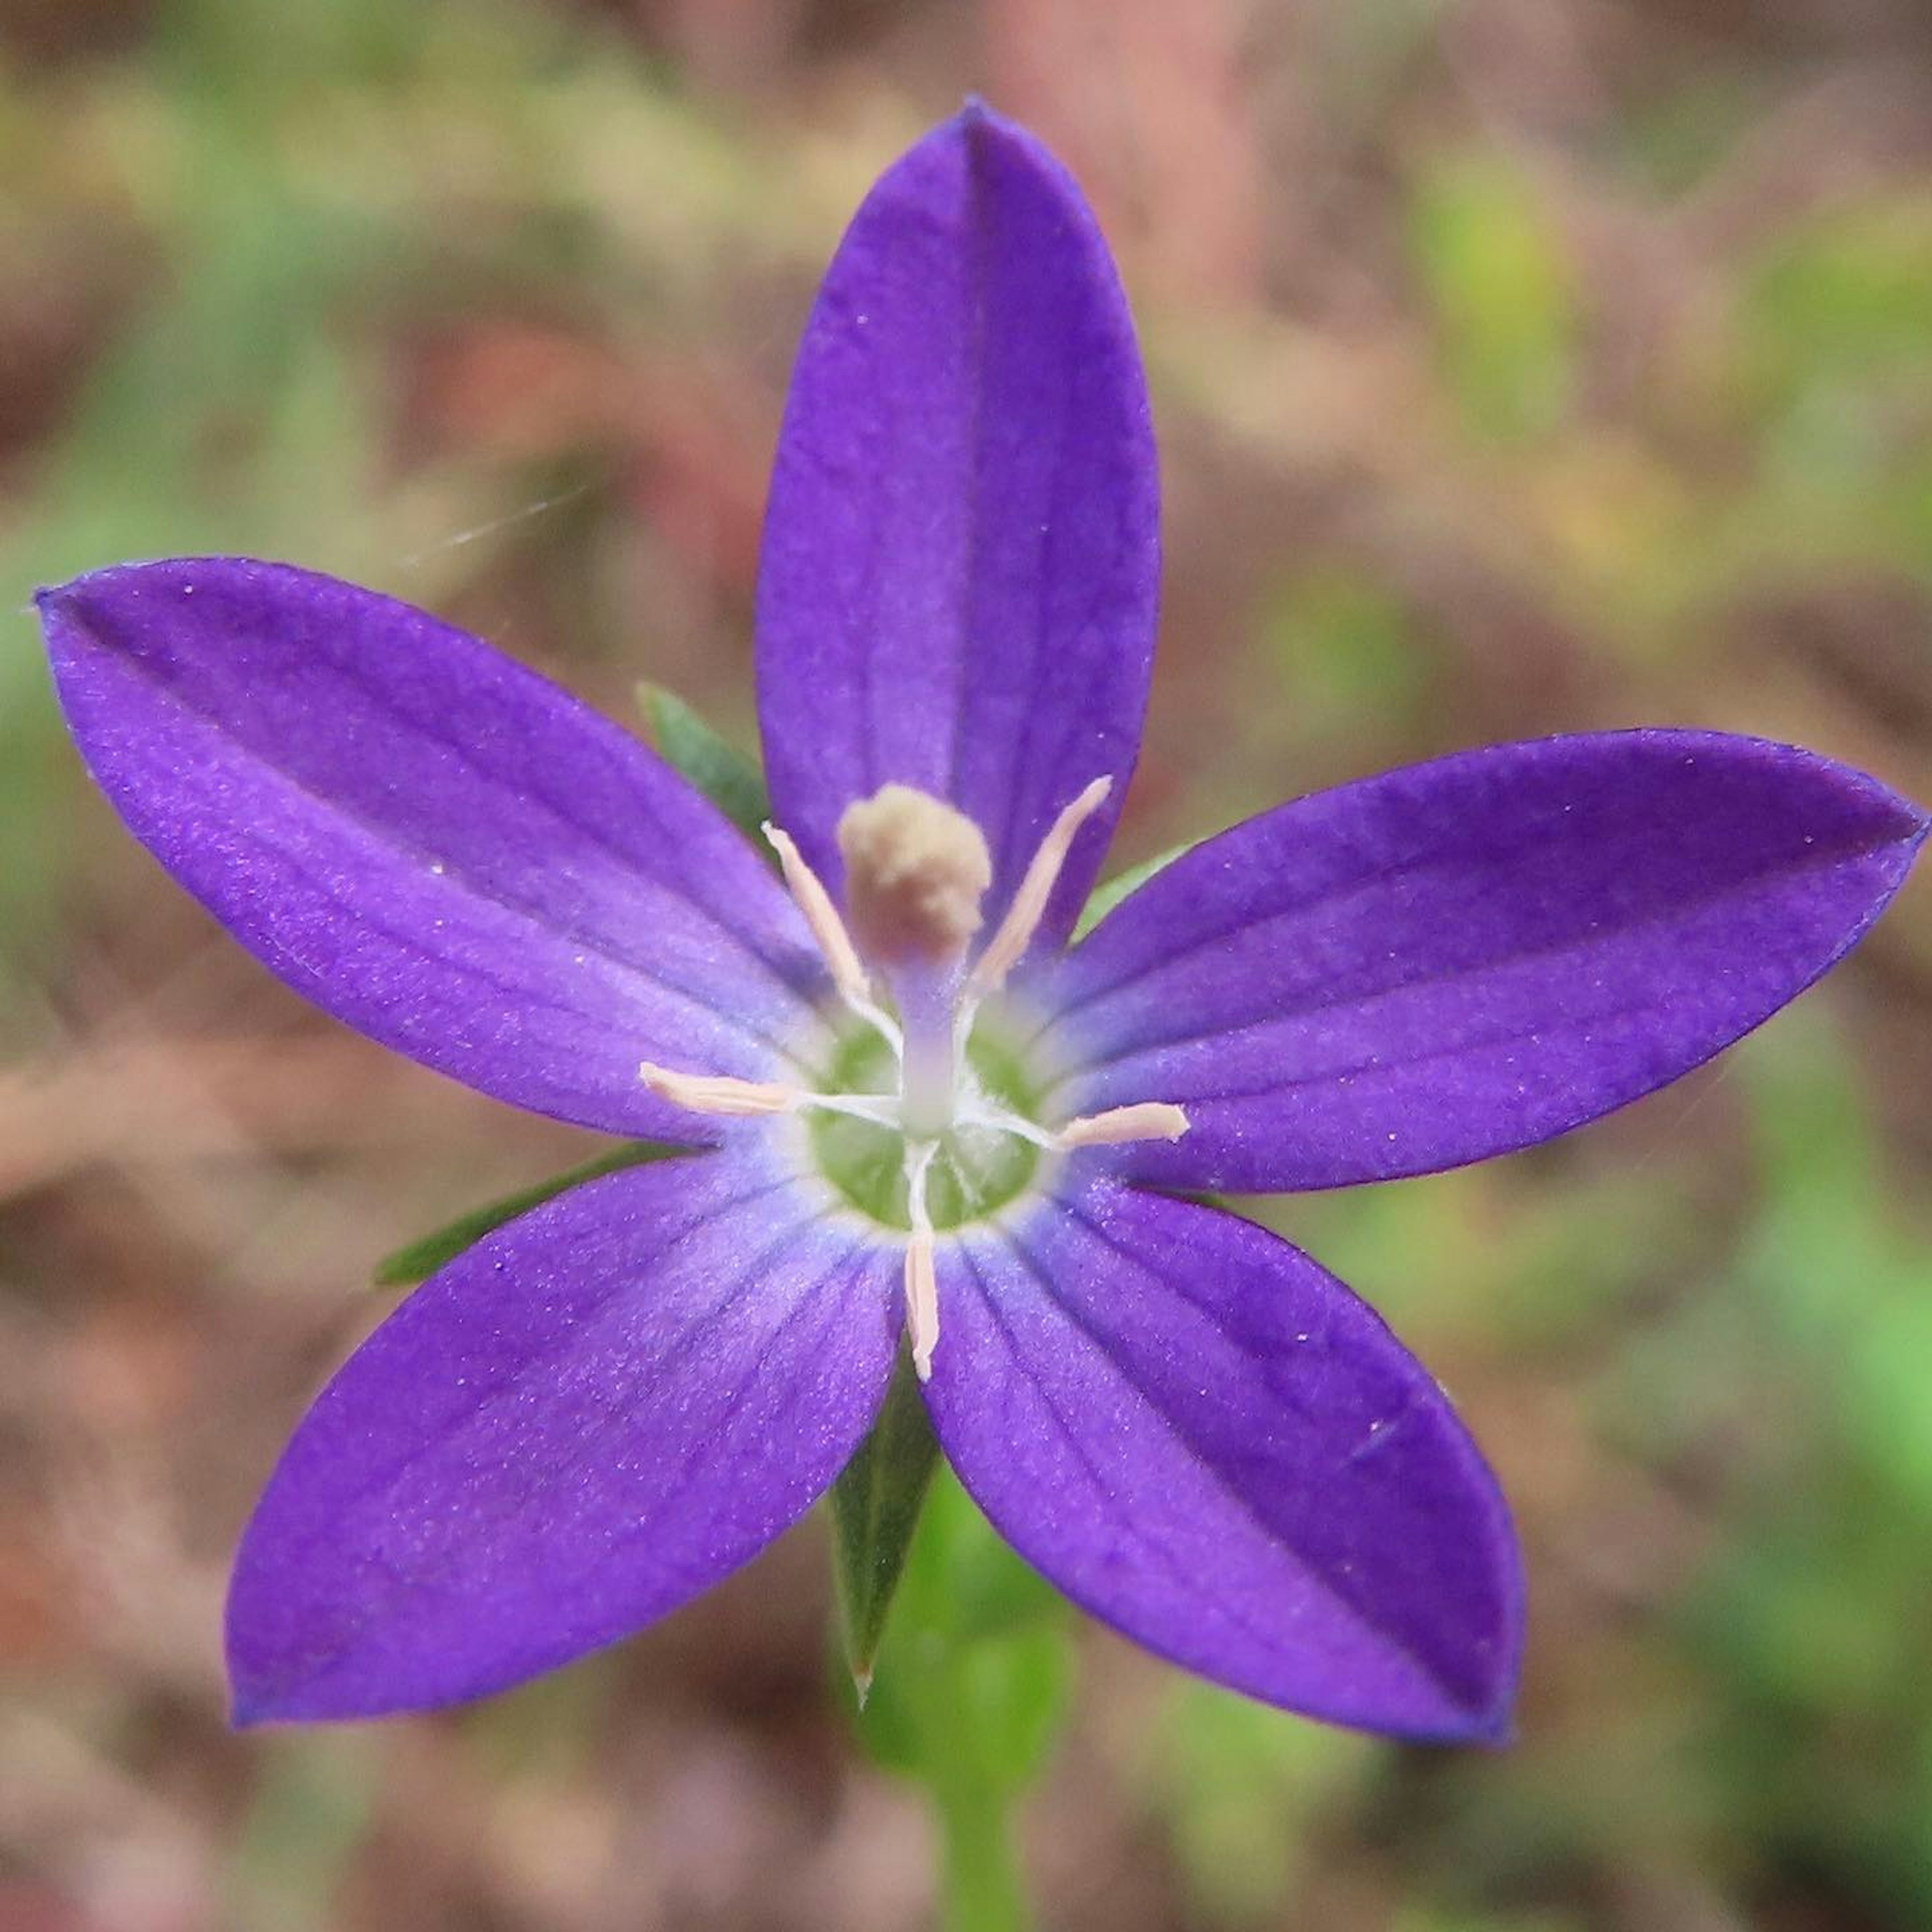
976, 1170
925, 1118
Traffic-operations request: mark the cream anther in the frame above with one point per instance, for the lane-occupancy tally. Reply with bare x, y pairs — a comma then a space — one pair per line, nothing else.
722, 1094
915, 870
828, 929
1145, 1120
1008, 945
922, 1279
718, 1093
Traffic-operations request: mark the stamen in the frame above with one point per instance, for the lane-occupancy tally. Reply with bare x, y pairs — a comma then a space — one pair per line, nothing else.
828, 929
996, 1120
881, 1109
1145, 1120
718, 1093
922, 1279
1008, 945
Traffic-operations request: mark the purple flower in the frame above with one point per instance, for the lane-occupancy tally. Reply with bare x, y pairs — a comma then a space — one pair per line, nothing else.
915, 1111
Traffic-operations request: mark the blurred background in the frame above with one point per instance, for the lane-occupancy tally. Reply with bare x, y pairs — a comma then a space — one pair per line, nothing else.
1519, 365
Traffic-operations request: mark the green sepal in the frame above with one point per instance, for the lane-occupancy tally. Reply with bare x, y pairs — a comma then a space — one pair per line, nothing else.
421, 1259
972, 1672
875, 1509
731, 780
1110, 893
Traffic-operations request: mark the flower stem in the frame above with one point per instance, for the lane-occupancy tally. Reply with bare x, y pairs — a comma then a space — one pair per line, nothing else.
984, 1889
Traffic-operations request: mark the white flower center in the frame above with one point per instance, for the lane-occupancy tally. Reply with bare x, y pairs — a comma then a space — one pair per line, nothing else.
916, 872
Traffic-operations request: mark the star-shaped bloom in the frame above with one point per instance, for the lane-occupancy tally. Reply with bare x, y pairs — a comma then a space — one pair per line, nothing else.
921, 1121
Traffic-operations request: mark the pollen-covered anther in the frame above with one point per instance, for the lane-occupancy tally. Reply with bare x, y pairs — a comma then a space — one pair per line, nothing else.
915, 870
1145, 1120
718, 1093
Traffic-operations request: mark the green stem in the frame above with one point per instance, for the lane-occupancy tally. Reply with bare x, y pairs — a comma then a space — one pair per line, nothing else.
985, 1891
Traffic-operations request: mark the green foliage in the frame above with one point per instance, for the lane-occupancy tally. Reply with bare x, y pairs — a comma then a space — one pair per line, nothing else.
1110, 893
1423, 1919
309, 1818
421, 1258
1845, 298
1344, 649
726, 775
1834, 373
1812, 1354
1492, 267
1245, 1790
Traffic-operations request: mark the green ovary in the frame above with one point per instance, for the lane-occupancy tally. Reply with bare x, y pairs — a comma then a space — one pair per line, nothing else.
977, 1171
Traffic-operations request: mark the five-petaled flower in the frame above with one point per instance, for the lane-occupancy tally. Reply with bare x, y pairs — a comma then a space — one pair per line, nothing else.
915, 1112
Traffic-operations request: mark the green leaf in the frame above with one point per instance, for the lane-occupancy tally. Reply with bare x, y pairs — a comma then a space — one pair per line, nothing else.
421, 1259
726, 775
1110, 893
875, 1508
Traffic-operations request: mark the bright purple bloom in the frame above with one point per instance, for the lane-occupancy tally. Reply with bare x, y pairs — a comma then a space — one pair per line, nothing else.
1185, 1422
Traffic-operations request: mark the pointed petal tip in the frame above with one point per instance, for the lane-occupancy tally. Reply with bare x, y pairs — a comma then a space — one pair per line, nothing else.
88, 603
256, 1706
61, 604
1490, 1725
976, 115
1500, 1733
1467, 1717
255, 1700
105, 576
979, 125
247, 1711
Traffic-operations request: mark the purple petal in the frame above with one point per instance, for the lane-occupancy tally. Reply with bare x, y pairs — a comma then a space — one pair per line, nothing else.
961, 552
578, 1426
1469, 956
1210, 1443
440, 847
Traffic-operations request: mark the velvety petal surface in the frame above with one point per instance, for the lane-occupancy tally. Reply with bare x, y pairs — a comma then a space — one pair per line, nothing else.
592, 1416
440, 847
961, 554
1469, 956
1208, 1441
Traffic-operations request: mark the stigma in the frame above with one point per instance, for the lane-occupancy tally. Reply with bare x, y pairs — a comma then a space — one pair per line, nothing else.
901, 958
916, 870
